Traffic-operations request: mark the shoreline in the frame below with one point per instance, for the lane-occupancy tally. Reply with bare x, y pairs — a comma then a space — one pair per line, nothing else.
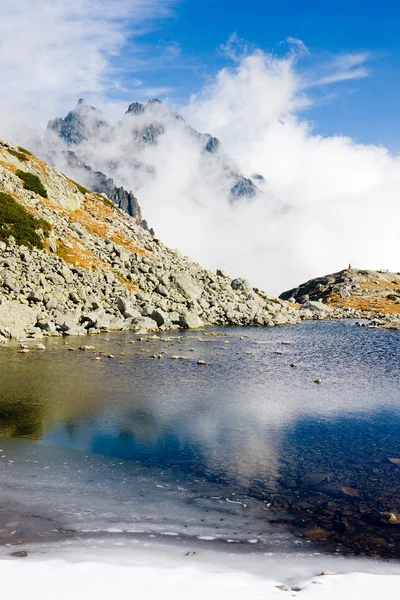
150, 571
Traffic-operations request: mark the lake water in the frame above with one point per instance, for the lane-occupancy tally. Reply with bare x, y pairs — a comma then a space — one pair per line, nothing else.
246, 451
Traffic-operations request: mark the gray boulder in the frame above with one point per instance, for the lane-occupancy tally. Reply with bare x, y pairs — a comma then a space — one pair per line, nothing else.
189, 320
315, 306
15, 317
241, 285
186, 285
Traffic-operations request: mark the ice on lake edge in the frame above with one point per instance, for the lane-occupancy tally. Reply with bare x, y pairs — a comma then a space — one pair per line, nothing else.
149, 574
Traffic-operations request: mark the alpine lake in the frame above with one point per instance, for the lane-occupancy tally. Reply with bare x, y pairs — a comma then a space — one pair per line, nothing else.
132, 438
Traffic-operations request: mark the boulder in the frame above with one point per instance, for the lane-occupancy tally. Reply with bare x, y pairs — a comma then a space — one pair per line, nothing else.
189, 320
160, 317
144, 324
241, 285
15, 317
223, 273
315, 306
186, 285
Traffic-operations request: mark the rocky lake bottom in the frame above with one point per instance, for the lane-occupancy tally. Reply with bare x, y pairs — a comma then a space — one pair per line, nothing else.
131, 440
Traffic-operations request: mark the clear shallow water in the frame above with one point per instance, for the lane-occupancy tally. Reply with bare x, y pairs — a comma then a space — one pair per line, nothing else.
245, 448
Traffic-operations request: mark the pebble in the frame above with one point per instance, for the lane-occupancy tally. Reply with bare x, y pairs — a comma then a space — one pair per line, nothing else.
318, 380
201, 362
20, 554
284, 588
23, 350
41, 347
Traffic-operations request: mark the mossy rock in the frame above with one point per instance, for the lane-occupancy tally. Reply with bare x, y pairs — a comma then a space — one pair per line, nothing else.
17, 222
32, 182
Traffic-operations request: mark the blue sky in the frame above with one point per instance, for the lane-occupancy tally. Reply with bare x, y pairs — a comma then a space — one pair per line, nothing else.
185, 47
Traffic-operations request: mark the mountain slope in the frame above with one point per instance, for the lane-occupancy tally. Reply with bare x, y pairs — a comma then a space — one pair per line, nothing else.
82, 265
376, 291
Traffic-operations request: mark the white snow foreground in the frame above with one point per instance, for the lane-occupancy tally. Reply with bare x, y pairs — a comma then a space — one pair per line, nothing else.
45, 579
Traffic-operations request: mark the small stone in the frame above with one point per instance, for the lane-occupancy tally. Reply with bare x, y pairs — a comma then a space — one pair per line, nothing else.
20, 554
293, 364
350, 491
23, 350
86, 348
41, 347
111, 356
329, 573
318, 380
191, 553
201, 362
284, 588
390, 518
316, 533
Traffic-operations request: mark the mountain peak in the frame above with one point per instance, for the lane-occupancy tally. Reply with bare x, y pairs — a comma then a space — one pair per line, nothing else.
135, 108
81, 123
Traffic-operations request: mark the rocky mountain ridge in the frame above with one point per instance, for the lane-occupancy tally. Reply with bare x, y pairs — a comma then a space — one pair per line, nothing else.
87, 266
142, 126
375, 293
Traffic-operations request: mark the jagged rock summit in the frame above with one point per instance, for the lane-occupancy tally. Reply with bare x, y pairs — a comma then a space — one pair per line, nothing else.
141, 126
72, 263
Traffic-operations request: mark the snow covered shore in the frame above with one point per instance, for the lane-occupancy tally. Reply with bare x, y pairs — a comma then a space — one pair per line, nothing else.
147, 575
56, 578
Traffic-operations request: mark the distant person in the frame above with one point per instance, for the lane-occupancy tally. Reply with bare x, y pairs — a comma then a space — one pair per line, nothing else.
349, 267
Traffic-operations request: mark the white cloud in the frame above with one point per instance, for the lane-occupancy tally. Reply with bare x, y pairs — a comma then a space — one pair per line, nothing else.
345, 67
53, 51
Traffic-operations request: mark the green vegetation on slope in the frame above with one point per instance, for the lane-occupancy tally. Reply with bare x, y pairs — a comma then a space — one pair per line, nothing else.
16, 221
32, 182
106, 201
22, 157
84, 191
24, 150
